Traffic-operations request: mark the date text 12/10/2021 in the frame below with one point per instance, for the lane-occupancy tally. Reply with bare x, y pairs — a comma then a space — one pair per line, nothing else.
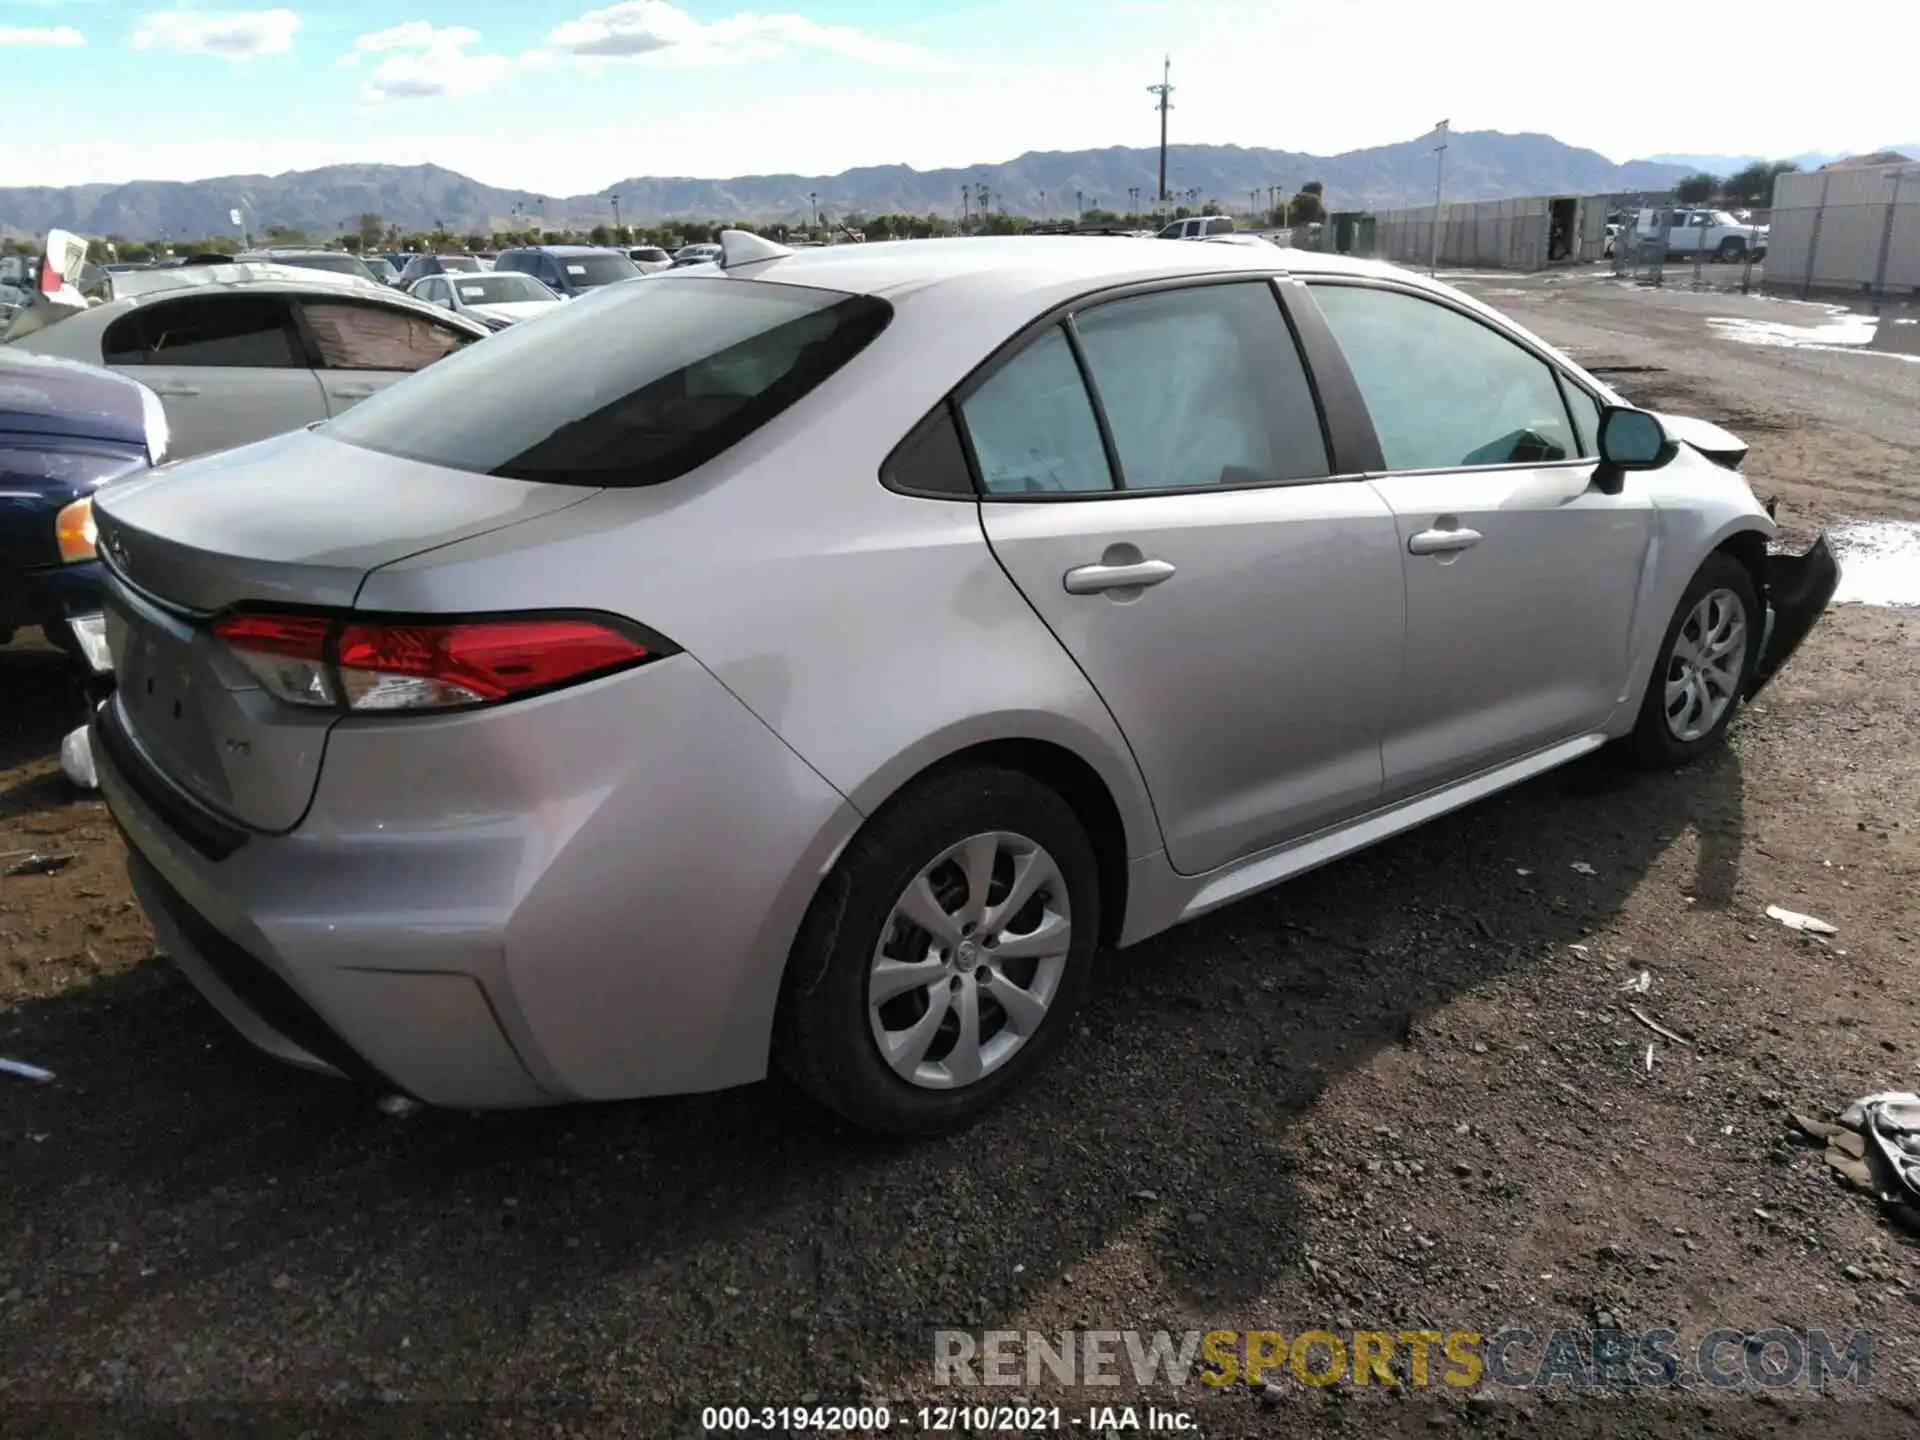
945, 1419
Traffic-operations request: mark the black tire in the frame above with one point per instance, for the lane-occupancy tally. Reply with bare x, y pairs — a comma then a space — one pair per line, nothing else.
1731, 251
1652, 743
823, 1037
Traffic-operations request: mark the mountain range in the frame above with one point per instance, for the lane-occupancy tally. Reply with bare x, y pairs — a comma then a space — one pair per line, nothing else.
1480, 164
1728, 164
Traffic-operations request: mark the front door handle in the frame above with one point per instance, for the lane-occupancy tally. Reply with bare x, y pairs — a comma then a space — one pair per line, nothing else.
176, 392
1443, 542
1093, 579
351, 392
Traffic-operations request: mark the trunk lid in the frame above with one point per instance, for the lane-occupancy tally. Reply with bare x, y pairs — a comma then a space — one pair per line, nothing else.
298, 520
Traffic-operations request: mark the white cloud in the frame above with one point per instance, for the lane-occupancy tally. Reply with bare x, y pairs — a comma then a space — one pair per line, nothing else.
654, 29
237, 36
40, 37
429, 62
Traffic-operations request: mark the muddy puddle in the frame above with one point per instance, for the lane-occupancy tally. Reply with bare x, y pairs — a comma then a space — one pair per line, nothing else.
1879, 562
1894, 335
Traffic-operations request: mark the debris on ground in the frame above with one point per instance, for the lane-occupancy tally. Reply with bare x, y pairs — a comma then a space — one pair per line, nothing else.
1639, 984
42, 864
397, 1105
1655, 1026
1581, 867
1806, 924
25, 1071
76, 758
1876, 1148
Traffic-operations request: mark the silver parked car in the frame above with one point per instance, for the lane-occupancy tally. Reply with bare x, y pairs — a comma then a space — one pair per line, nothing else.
869, 636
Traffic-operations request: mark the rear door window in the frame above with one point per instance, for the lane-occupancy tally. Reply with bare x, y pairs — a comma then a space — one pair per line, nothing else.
682, 370
375, 337
1203, 386
251, 331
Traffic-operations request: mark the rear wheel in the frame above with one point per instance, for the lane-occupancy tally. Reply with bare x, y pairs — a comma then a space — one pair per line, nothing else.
944, 955
1705, 658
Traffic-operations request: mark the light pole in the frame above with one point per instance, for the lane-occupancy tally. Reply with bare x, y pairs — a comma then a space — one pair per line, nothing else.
1439, 176
1079, 204
616, 215
813, 200
1043, 204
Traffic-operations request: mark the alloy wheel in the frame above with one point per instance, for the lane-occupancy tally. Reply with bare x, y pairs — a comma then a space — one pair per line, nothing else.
969, 960
1705, 666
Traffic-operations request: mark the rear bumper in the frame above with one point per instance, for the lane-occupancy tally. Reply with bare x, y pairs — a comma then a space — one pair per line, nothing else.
1799, 589
587, 895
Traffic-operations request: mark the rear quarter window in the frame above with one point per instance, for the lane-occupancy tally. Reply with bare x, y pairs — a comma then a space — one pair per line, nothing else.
683, 369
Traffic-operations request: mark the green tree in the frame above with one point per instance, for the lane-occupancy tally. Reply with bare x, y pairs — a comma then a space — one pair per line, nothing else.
1697, 189
371, 228
1749, 184
1309, 205
600, 235
476, 241
349, 243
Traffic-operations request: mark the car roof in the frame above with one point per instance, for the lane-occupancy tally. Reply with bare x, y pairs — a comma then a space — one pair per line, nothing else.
1017, 264
562, 250
143, 286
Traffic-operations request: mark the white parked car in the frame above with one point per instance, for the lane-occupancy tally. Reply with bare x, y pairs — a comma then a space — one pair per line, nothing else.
1714, 233
650, 258
1198, 227
237, 353
496, 299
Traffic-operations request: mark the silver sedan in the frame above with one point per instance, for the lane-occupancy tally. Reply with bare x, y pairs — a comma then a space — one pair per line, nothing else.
814, 659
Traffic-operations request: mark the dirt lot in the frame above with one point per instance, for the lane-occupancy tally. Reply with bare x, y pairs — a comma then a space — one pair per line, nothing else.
1403, 1093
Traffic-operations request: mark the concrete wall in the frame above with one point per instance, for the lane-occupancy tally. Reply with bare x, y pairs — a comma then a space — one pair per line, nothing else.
1490, 234
1830, 230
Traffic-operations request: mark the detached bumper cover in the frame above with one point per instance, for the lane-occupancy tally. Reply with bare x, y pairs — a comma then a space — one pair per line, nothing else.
1799, 589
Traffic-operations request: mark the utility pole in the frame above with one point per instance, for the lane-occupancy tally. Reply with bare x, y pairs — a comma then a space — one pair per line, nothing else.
813, 200
1079, 204
1133, 199
1439, 176
1043, 205
966, 211
1164, 90
616, 215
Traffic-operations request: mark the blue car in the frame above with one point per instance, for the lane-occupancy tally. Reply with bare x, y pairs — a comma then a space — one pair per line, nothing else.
65, 430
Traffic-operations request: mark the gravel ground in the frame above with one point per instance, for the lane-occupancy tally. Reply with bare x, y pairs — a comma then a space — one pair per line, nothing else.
1405, 1092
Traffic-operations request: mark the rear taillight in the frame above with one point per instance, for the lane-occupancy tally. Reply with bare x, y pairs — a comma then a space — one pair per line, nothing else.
369, 664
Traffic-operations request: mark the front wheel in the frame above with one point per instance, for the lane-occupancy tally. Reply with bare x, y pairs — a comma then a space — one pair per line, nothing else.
943, 957
1705, 658
1732, 252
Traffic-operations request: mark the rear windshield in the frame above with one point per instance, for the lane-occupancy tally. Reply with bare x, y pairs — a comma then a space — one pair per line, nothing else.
682, 370
587, 272
500, 288
462, 263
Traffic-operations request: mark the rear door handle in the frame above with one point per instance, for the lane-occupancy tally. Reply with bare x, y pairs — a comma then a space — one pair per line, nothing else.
176, 392
351, 392
1443, 542
1092, 579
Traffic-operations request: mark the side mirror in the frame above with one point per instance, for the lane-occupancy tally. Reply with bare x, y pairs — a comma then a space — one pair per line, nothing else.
1630, 440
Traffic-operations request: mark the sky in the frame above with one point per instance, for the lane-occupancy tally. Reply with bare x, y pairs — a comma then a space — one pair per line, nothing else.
566, 96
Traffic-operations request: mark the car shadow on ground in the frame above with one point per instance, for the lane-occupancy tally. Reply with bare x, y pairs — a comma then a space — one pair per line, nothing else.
218, 1175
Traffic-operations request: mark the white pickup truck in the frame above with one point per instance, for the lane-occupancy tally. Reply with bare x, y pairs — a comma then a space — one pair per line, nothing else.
1714, 233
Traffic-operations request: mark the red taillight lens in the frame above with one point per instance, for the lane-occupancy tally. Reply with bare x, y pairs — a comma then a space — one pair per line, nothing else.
395, 665
286, 653
416, 667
